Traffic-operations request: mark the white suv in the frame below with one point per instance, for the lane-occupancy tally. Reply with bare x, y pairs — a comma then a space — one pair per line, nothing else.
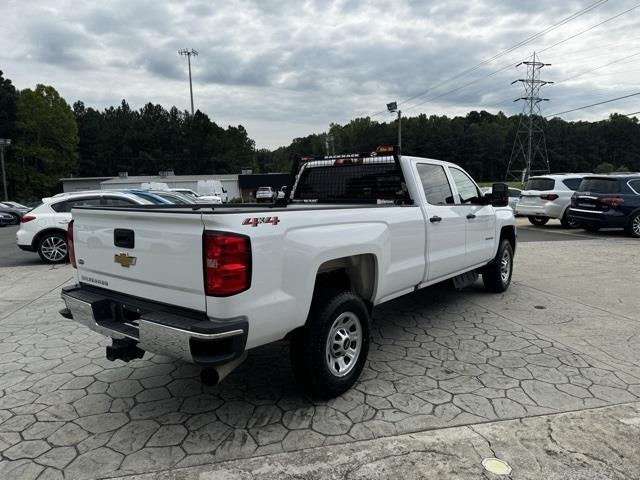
44, 229
549, 196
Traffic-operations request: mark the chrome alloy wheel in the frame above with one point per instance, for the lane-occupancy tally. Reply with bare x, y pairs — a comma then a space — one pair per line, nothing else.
505, 267
635, 226
344, 343
54, 249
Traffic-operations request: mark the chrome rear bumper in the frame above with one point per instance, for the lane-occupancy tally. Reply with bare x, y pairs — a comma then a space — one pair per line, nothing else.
157, 328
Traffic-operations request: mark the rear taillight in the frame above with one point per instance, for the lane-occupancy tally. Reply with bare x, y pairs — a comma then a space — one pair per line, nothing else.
551, 197
70, 245
227, 263
27, 218
612, 201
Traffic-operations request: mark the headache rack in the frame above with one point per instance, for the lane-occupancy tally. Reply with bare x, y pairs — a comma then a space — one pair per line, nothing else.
359, 178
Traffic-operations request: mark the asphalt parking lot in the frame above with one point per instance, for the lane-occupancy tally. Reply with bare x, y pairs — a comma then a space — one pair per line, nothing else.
550, 369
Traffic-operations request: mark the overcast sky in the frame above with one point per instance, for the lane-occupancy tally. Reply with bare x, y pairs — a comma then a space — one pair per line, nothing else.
285, 68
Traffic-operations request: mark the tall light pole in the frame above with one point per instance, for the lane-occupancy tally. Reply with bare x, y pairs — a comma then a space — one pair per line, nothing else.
392, 108
4, 142
189, 53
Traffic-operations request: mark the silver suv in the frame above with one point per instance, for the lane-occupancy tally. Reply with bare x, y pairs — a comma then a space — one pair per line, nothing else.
549, 196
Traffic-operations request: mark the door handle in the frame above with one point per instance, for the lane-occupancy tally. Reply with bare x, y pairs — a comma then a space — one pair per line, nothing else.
435, 219
471, 216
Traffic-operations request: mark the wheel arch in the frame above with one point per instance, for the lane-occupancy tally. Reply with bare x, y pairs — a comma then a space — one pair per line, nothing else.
35, 243
508, 232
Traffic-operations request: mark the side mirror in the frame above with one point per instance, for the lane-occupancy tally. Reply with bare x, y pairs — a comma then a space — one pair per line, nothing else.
500, 195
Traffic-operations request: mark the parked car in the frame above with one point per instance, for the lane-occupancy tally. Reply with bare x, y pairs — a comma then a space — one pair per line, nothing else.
353, 234
549, 196
282, 192
197, 197
174, 197
147, 195
514, 196
6, 219
604, 201
16, 205
265, 194
43, 229
16, 212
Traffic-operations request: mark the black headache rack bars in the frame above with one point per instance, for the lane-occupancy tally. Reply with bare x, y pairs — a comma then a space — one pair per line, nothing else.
359, 178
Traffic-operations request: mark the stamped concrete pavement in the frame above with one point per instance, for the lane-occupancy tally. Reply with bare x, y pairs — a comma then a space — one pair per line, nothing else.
439, 358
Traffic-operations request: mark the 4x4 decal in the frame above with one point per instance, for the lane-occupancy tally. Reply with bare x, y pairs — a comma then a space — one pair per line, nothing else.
254, 222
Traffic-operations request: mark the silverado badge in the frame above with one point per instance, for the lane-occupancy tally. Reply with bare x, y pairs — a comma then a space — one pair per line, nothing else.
124, 260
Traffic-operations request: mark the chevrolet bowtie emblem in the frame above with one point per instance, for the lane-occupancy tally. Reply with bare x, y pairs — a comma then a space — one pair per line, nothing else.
124, 260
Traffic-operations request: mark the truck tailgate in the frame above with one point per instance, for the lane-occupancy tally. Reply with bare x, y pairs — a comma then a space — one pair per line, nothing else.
155, 257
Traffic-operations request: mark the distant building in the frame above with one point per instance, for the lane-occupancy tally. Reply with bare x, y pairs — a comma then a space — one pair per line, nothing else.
75, 184
229, 182
243, 185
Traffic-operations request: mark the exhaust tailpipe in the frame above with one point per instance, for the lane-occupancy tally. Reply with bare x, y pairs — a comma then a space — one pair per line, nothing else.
211, 376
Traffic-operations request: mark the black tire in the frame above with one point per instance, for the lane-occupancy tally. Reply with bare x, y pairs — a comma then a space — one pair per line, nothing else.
538, 221
52, 248
492, 275
633, 227
568, 221
310, 359
15, 220
590, 228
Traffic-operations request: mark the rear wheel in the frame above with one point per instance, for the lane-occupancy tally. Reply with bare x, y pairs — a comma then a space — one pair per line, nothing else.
633, 228
539, 221
15, 220
329, 353
568, 221
497, 275
52, 248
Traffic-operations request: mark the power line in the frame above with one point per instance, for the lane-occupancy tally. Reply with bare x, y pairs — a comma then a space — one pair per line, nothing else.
575, 15
590, 28
511, 65
594, 105
630, 114
598, 68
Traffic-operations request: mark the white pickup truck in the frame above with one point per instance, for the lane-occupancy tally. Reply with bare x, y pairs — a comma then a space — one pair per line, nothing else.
207, 283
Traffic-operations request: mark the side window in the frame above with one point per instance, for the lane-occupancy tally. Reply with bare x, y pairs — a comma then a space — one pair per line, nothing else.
65, 207
467, 190
635, 186
513, 193
435, 184
117, 202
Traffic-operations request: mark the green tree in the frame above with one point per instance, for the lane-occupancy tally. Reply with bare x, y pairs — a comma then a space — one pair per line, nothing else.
47, 142
8, 107
604, 167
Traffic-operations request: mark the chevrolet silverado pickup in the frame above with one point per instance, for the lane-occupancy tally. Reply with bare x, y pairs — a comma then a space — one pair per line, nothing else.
207, 283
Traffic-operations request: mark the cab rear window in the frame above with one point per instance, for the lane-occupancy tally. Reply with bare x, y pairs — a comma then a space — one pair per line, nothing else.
540, 184
600, 185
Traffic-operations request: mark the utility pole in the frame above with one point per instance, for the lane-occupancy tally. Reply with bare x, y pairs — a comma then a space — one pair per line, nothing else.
4, 142
189, 53
529, 152
329, 144
393, 107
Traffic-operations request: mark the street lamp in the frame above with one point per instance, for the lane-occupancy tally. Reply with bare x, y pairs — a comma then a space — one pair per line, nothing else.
4, 142
392, 108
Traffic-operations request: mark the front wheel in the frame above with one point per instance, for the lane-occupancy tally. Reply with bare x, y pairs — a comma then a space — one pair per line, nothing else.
52, 248
633, 229
497, 275
329, 353
538, 221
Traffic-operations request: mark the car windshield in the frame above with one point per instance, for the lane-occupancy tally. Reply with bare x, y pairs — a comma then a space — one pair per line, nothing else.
540, 184
599, 185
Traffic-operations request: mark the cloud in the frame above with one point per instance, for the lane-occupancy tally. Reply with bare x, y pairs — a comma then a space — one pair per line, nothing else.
284, 68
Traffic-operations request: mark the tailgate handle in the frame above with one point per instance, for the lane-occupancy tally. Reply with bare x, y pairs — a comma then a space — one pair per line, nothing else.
124, 238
